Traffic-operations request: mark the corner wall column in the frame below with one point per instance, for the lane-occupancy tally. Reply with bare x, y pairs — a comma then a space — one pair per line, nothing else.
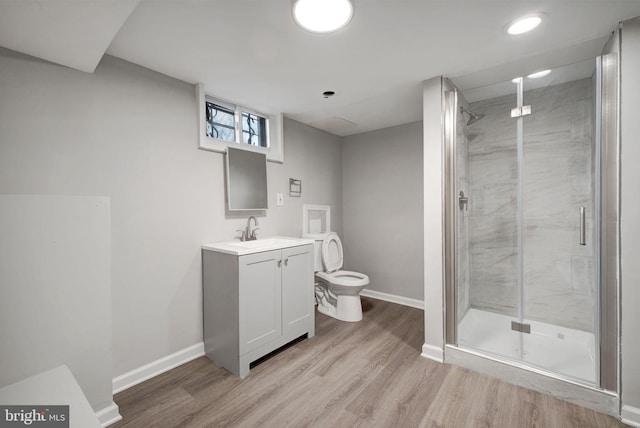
433, 347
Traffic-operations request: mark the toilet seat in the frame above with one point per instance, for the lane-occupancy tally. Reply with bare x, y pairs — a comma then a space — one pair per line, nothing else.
345, 278
332, 252
332, 259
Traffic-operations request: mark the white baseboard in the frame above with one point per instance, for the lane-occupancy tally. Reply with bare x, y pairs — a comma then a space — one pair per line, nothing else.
109, 415
630, 415
154, 368
433, 353
405, 301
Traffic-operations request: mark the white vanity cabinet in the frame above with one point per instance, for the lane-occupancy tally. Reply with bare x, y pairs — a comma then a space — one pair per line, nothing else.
255, 301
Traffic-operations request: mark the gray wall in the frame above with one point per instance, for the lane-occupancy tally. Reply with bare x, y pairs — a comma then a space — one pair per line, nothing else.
630, 209
55, 293
131, 134
382, 209
315, 157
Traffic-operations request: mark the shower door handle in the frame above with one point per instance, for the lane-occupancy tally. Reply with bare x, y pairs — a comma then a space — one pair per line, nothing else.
583, 227
463, 201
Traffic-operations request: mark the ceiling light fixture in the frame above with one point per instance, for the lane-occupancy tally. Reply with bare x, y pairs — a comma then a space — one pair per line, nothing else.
322, 16
524, 24
539, 74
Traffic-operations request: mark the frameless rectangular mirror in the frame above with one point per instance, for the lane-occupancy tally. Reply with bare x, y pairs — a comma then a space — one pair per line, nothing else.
246, 180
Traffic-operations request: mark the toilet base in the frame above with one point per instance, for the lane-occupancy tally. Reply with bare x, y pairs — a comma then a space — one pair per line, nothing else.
347, 308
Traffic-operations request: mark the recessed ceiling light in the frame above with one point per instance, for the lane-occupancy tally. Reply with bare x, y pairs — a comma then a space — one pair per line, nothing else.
516, 80
524, 24
322, 16
539, 74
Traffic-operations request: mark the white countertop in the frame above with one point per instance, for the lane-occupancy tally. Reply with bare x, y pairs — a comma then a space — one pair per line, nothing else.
269, 243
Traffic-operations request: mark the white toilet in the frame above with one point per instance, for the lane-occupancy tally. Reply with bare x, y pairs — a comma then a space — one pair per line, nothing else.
337, 291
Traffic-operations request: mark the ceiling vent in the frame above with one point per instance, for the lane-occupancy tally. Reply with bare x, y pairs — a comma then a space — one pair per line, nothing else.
332, 124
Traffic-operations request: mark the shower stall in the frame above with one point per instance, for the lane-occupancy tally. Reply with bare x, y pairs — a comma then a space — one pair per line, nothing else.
531, 209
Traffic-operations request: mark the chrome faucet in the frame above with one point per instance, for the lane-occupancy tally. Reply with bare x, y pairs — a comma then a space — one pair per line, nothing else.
250, 234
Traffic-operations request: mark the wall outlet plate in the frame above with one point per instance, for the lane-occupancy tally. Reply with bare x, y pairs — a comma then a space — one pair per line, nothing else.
279, 199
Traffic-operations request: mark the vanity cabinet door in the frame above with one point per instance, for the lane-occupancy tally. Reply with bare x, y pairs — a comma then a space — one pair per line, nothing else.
260, 299
297, 291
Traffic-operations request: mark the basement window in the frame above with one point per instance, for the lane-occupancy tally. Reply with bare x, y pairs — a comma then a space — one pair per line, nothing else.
221, 122
254, 130
224, 124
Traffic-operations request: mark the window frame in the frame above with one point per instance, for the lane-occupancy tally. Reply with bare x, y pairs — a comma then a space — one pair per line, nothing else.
274, 128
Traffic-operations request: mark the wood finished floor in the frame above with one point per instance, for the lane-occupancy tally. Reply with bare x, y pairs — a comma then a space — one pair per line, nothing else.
366, 374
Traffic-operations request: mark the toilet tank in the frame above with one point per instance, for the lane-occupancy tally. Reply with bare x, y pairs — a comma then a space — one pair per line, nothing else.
317, 249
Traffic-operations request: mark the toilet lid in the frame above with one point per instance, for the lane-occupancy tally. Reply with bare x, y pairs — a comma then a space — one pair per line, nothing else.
332, 252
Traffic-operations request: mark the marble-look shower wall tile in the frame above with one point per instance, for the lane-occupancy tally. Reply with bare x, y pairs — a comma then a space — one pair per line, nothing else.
560, 308
494, 279
494, 167
558, 179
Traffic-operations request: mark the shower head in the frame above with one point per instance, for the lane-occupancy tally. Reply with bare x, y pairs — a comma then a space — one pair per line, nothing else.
473, 117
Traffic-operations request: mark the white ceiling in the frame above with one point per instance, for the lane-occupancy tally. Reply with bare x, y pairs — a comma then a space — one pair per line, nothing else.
252, 53
74, 33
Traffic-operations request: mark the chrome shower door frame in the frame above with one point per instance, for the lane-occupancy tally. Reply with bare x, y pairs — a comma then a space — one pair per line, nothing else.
450, 109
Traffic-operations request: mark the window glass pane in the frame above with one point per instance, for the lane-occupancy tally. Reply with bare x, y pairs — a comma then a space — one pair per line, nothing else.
220, 122
254, 130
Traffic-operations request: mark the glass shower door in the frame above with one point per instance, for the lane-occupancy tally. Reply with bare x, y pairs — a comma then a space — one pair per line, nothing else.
558, 236
487, 223
531, 282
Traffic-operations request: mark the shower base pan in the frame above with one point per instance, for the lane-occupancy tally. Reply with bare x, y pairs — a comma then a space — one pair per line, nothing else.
552, 348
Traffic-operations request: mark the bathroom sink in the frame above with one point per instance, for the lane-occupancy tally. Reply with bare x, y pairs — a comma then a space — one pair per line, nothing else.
240, 248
